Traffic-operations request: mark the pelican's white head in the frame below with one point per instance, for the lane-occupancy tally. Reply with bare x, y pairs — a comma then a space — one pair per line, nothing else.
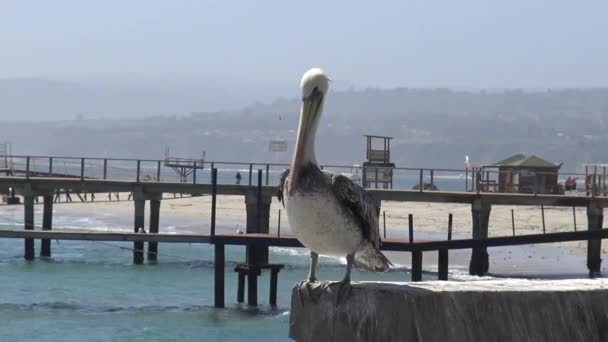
314, 78
314, 86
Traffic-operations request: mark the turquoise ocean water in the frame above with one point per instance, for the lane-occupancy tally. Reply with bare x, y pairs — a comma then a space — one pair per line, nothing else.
90, 291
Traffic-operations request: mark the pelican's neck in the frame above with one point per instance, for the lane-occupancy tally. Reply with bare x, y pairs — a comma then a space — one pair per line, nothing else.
307, 143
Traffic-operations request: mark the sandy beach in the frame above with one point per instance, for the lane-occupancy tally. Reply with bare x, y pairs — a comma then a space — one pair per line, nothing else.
192, 215
429, 218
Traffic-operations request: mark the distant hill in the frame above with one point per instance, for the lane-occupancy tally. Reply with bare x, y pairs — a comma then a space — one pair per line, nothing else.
431, 127
42, 100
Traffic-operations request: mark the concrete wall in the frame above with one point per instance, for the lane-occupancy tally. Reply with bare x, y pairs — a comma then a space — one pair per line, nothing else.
505, 310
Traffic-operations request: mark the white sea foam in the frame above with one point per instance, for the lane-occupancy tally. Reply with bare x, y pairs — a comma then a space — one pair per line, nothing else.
290, 251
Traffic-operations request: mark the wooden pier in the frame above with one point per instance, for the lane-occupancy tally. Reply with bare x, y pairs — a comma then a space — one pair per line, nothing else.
257, 239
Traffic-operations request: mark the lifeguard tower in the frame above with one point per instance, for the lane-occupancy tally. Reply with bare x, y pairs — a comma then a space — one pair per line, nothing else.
184, 167
378, 168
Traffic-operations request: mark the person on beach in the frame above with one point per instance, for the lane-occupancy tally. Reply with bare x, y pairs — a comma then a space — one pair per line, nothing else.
238, 178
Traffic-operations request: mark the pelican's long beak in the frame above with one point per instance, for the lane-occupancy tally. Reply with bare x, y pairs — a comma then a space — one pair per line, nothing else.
311, 106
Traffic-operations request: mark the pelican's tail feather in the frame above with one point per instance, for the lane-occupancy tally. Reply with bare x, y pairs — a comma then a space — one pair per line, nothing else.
371, 259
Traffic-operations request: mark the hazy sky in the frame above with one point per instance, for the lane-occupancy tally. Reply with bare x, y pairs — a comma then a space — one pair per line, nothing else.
482, 44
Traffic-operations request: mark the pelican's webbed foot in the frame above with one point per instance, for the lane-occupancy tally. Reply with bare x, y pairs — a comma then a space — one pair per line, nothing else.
342, 290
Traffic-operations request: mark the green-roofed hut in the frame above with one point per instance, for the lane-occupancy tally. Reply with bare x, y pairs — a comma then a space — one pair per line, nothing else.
527, 174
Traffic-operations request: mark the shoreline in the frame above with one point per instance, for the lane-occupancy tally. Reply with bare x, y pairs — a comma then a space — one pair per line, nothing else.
192, 215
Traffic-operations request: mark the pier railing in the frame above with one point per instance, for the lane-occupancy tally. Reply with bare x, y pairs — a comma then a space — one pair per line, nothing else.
591, 183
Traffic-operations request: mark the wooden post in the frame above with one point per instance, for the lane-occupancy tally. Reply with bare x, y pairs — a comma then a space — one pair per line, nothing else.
219, 275
154, 224
250, 173
416, 266
432, 177
81, 169
138, 170
384, 220
585, 182
50, 166
158, 171
274, 280
450, 220
594, 184
542, 212
466, 179
574, 217
421, 179
240, 291
480, 211
443, 255
47, 224
194, 174
105, 168
213, 202
410, 219
513, 221
212, 167
252, 286
28, 209
138, 246
604, 181
259, 201
267, 173
279, 225
595, 219
27, 167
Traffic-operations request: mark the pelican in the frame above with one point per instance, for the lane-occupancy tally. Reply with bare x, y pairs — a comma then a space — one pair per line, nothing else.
328, 213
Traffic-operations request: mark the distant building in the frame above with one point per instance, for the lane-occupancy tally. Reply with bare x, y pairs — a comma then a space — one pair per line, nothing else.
527, 174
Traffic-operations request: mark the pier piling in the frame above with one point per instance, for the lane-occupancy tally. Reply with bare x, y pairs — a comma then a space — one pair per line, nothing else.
138, 246
595, 219
240, 291
443, 255
417, 266
252, 286
154, 220
274, 279
47, 224
28, 210
219, 274
480, 263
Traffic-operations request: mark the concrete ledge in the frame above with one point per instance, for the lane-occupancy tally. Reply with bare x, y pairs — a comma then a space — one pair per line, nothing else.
496, 310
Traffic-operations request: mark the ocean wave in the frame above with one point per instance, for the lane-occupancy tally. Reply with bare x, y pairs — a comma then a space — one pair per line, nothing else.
289, 251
